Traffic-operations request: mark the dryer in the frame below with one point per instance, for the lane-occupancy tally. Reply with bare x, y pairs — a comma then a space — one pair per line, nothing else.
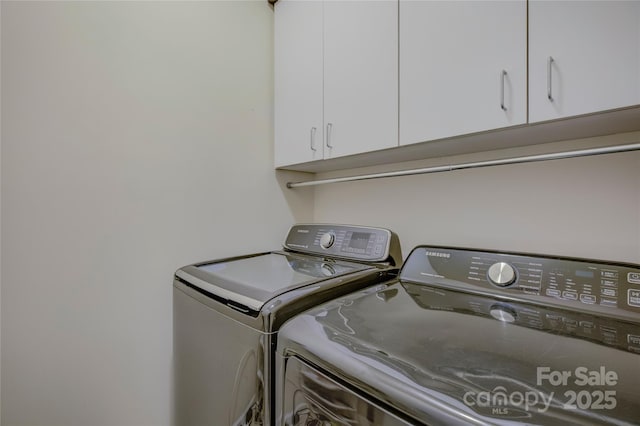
227, 314
468, 336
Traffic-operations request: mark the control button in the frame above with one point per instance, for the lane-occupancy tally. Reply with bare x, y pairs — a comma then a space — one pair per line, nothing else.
569, 295
609, 292
608, 302
503, 313
553, 292
501, 274
587, 298
633, 297
633, 277
327, 240
610, 274
377, 250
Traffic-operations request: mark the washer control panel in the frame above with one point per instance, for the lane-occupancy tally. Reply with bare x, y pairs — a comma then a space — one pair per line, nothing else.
344, 241
588, 284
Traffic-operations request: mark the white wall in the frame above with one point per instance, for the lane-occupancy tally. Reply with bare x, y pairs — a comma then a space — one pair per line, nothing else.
0, 222
136, 138
585, 207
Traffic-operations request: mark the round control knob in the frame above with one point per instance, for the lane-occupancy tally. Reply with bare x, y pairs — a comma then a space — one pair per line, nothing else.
501, 274
327, 240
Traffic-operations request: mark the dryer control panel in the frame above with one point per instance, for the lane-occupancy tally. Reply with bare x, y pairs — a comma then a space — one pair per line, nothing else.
606, 287
345, 241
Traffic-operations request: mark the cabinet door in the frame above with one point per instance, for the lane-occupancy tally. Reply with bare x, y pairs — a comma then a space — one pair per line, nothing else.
360, 76
298, 81
452, 58
595, 51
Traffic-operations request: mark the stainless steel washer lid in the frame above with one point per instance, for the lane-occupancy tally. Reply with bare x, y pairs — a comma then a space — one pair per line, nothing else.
444, 357
251, 281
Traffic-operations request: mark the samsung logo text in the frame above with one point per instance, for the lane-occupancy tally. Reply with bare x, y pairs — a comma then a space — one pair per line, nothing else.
438, 254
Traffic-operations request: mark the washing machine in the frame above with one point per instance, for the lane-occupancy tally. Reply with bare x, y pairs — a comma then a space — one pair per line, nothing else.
227, 314
467, 336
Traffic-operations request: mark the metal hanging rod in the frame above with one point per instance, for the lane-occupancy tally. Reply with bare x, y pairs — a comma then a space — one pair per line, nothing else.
475, 165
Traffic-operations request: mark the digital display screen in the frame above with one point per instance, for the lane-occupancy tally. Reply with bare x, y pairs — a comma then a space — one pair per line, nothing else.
584, 274
359, 240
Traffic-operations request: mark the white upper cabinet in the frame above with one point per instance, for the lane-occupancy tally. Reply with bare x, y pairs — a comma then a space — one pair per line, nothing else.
336, 78
439, 77
463, 67
298, 82
360, 76
584, 57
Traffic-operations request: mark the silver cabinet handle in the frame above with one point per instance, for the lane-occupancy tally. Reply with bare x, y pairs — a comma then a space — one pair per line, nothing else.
329, 126
503, 74
313, 139
549, 88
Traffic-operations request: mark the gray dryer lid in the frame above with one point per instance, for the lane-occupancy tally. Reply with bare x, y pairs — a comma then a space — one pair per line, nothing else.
447, 357
251, 281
